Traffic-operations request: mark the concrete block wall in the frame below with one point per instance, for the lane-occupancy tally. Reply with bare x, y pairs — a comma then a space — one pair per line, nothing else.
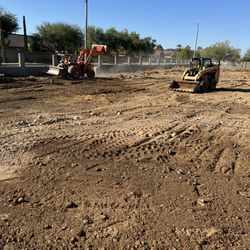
109, 65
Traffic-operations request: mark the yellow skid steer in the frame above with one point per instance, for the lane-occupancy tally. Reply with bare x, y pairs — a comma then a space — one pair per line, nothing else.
202, 76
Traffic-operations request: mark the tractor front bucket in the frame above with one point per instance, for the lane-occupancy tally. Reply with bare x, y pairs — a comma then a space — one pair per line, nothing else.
185, 86
54, 70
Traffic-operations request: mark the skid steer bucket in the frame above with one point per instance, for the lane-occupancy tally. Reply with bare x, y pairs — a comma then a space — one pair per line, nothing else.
185, 86
54, 70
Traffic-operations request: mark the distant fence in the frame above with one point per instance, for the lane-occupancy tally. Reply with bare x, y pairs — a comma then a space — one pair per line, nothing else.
127, 60
48, 58
115, 60
32, 57
24, 59
235, 65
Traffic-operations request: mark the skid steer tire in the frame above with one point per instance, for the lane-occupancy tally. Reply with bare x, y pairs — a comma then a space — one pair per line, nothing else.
90, 74
204, 85
213, 85
74, 72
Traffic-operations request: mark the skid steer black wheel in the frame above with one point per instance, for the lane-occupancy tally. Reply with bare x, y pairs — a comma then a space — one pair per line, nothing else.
205, 86
75, 72
213, 84
90, 74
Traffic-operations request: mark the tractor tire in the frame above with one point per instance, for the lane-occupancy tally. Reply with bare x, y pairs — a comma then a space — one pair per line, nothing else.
90, 74
74, 72
204, 84
213, 85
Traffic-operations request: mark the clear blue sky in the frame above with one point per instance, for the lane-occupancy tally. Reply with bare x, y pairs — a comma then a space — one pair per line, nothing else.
169, 22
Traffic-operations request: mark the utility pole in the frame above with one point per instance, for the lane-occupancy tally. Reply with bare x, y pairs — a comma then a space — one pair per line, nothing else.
25, 34
2, 41
196, 39
86, 24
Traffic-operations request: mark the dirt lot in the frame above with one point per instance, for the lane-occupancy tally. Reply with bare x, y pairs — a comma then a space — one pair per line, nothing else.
122, 162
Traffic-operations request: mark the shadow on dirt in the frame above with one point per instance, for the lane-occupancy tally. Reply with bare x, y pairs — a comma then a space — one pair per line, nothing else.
233, 90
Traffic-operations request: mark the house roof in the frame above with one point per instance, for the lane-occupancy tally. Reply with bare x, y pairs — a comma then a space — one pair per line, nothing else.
15, 41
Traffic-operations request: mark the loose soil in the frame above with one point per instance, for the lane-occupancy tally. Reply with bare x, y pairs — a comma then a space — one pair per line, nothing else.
122, 162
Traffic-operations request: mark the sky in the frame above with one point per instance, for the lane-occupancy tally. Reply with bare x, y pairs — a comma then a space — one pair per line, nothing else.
168, 22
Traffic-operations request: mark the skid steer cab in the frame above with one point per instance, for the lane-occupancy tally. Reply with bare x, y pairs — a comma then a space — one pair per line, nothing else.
75, 69
201, 76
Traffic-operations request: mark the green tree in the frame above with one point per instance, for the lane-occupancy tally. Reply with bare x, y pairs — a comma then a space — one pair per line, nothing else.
128, 43
135, 45
198, 51
159, 50
95, 36
112, 39
60, 36
246, 56
179, 46
159, 47
149, 45
132, 44
8, 25
222, 51
35, 43
183, 53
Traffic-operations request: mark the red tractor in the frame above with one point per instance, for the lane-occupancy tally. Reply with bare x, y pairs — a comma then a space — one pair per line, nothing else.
80, 67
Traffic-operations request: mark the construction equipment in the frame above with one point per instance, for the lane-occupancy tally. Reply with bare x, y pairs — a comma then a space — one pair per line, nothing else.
78, 68
202, 76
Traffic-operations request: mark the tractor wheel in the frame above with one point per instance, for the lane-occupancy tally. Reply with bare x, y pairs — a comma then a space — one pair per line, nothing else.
90, 74
75, 72
213, 84
64, 73
204, 85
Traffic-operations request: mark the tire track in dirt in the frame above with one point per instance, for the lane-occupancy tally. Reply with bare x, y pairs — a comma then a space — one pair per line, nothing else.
226, 162
152, 142
170, 171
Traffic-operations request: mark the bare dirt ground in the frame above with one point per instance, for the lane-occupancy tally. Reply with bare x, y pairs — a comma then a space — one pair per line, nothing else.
124, 163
